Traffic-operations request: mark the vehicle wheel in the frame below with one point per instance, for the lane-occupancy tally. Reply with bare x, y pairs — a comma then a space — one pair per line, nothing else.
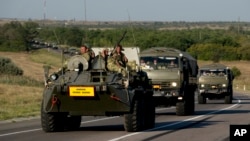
73, 122
201, 99
180, 108
149, 114
134, 121
190, 104
186, 107
228, 99
52, 122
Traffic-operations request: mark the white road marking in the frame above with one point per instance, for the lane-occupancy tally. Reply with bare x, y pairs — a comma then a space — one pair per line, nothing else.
176, 123
20, 132
107, 118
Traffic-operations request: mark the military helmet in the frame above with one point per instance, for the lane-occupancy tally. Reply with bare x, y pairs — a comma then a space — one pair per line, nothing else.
119, 45
86, 45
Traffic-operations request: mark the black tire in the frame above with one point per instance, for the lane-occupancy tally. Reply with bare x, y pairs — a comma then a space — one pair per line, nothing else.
201, 99
149, 114
186, 106
180, 108
134, 122
191, 104
52, 122
229, 97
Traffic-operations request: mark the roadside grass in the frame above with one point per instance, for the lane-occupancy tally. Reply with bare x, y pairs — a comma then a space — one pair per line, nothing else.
19, 101
21, 96
20, 80
47, 57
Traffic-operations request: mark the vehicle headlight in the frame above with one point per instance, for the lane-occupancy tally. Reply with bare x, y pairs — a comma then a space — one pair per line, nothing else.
224, 85
54, 76
174, 84
202, 85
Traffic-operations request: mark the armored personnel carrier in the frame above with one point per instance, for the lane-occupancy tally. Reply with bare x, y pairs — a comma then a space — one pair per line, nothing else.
89, 89
215, 82
174, 77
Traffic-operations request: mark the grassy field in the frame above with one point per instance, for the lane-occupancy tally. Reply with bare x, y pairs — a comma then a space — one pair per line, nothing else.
24, 101
19, 101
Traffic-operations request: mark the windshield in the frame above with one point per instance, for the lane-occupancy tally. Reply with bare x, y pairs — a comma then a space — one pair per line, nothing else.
212, 72
160, 62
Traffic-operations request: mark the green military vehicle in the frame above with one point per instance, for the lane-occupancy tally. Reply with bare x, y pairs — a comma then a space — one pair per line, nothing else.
88, 89
174, 77
215, 81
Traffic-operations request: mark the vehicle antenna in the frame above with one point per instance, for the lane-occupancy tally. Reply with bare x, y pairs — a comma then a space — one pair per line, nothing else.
62, 50
131, 26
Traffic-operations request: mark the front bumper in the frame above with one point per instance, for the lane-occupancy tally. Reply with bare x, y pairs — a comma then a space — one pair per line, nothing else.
166, 93
213, 91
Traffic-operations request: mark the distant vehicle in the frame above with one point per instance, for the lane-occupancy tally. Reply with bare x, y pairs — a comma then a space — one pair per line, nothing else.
73, 51
70, 50
54, 46
215, 81
174, 77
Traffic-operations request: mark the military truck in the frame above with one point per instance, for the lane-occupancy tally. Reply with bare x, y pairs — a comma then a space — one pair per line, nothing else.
89, 89
215, 82
174, 77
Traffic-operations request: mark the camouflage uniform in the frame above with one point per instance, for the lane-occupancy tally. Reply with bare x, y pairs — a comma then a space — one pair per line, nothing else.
120, 59
87, 56
111, 65
117, 63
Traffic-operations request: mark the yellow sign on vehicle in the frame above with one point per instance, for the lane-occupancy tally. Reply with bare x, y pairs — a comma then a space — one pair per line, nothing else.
156, 86
82, 91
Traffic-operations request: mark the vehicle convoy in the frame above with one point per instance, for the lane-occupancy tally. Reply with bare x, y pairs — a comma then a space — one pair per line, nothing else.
215, 81
174, 77
89, 89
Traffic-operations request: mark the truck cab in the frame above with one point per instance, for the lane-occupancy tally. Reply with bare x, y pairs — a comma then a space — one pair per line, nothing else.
173, 74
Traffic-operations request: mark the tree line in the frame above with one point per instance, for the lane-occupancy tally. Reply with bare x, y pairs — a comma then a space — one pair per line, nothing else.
202, 43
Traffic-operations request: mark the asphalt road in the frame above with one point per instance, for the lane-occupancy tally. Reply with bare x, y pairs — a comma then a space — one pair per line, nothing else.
211, 122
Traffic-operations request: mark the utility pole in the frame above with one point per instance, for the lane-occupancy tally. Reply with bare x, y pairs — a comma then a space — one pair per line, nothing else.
238, 25
85, 11
44, 12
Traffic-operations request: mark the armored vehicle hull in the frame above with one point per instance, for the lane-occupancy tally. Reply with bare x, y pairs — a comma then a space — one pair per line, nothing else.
94, 91
173, 75
215, 82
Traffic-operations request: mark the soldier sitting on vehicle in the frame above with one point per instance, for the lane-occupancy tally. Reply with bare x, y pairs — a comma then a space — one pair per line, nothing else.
120, 58
105, 54
87, 53
102, 57
117, 60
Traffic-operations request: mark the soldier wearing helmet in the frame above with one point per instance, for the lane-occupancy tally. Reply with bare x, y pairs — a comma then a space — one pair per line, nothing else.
119, 57
117, 61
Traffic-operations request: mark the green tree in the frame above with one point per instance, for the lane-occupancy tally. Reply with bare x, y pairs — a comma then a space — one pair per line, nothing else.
236, 72
14, 37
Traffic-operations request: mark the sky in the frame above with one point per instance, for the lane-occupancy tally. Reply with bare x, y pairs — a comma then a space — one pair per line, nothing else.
128, 10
